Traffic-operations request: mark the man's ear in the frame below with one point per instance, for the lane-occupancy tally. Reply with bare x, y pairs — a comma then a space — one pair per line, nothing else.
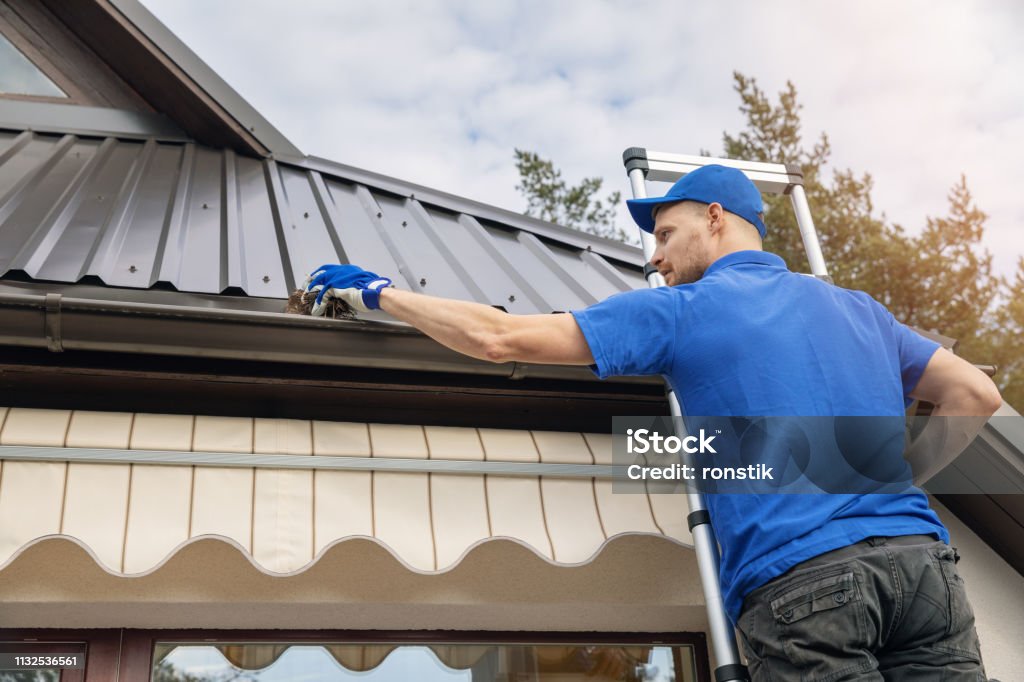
716, 217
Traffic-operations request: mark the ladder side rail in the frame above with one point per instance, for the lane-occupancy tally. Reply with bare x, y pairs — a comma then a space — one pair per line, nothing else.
723, 636
808, 233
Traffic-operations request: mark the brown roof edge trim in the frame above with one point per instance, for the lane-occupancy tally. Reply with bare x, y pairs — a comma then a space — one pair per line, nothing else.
147, 328
187, 65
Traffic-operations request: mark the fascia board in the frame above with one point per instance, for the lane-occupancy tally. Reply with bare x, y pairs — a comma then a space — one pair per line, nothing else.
205, 77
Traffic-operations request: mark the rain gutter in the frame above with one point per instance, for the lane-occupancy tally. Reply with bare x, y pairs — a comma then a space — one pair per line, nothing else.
63, 323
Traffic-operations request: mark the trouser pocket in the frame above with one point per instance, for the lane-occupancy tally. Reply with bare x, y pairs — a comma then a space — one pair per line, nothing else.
809, 625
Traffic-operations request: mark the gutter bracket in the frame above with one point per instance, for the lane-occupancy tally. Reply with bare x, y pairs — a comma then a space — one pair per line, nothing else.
52, 324
518, 371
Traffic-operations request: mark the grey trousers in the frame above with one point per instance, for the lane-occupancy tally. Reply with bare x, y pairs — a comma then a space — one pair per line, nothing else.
881, 609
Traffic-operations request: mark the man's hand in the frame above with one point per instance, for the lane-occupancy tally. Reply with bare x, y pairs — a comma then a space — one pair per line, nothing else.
473, 329
964, 399
357, 287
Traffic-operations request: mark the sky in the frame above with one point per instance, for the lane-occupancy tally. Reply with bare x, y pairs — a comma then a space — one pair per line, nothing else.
441, 92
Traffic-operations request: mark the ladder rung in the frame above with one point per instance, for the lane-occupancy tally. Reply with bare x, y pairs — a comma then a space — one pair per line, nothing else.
770, 178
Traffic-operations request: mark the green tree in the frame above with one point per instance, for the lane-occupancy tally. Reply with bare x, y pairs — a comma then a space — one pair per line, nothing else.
939, 280
853, 240
950, 282
550, 198
1006, 341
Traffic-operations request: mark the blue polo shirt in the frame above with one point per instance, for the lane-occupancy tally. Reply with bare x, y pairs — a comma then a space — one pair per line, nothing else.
751, 338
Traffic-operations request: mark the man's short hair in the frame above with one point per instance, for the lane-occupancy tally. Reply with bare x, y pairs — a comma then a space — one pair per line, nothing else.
694, 207
698, 207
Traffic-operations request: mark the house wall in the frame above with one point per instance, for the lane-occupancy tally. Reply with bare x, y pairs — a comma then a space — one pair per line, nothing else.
996, 591
65, 59
152, 546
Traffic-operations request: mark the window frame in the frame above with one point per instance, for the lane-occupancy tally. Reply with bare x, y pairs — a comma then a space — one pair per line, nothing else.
45, 67
127, 654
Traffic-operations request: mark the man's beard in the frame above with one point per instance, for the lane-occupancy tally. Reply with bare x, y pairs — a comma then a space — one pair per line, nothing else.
696, 264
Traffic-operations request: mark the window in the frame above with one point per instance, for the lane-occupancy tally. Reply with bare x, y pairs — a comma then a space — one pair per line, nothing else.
19, 76
265, 661
345, 655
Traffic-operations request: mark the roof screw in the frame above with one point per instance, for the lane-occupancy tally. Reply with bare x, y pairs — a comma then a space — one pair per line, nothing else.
512, 299
379, 214
423, 282
306, 214
252, 129
100, 197
205, 206
266, 278
132, 268
405, 223
412, 196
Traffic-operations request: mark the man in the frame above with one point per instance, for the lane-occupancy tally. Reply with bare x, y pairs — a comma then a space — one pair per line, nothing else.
828, 587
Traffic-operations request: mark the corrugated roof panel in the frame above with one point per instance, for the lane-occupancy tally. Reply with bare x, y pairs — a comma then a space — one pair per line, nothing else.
632, 277
59, 211
527, 257
497, 243
7, 140
262, 257
356, 231
468, 258
76, 233
168, 257
589, 273
134, 255
203, 255
614, 276
200, 220
11, 145
41, 173
428, 260
306, 222
544, 254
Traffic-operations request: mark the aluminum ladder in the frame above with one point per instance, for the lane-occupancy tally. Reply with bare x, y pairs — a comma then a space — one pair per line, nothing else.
771, 178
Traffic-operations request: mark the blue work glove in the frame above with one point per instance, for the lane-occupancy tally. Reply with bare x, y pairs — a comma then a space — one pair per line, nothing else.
357, 287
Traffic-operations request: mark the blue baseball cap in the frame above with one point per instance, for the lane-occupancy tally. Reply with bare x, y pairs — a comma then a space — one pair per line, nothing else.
708, 184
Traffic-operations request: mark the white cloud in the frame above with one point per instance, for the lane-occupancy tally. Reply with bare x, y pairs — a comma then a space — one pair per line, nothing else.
440, 92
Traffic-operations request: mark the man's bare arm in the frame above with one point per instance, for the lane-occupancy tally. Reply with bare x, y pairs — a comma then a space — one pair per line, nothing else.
487, 333
964, 399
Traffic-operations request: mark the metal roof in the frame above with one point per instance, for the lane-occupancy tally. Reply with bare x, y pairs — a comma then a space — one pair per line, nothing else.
170, 215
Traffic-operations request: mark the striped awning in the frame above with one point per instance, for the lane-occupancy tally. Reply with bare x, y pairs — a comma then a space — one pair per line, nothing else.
134, 507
